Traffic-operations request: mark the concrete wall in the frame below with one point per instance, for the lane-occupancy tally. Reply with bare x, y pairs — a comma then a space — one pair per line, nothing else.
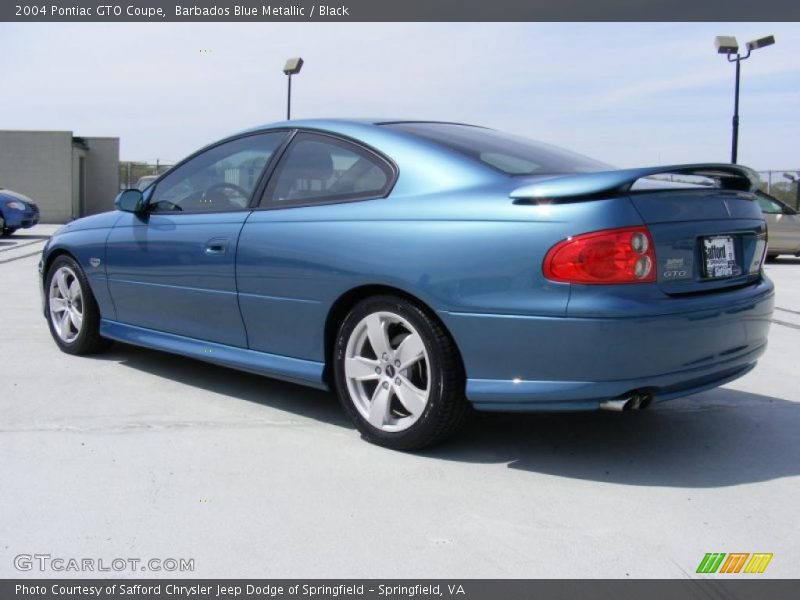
77, 154
102, 174
39, 165
45, 165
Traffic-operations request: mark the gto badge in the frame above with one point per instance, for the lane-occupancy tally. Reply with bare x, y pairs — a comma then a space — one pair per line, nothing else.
95, 262
675, 269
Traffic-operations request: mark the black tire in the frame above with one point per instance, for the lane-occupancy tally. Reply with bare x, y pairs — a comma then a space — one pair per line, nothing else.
771, 258
447, 409
88, 340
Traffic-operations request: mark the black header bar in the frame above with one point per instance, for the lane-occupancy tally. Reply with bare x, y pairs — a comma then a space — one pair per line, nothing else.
400, 10
702, 588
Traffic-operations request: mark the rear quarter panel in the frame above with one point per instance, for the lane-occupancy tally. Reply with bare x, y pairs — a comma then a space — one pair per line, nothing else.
470, 250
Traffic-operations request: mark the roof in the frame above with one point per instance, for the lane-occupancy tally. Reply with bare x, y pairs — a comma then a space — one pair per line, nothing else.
337, 122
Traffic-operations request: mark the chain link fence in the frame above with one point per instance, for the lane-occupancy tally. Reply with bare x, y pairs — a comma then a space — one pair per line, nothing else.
782, 184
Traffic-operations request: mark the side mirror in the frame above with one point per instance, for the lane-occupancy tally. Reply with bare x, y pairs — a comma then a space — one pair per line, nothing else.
131, 201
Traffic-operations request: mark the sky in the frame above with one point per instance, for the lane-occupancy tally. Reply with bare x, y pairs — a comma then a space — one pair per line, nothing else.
630, 94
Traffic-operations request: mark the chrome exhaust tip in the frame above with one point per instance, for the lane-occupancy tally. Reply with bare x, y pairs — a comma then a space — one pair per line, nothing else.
616, 405
633, 402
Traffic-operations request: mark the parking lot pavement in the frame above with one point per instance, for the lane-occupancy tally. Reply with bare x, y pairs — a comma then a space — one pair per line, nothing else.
26, 242
138, 454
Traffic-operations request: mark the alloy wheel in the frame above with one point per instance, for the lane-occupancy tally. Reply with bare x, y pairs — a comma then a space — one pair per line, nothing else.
387, 371
65, 300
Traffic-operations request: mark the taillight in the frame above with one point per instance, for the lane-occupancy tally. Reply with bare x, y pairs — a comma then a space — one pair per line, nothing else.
760, 253
622, 255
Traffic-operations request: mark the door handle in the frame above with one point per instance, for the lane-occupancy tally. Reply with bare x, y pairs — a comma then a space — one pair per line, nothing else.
216, 246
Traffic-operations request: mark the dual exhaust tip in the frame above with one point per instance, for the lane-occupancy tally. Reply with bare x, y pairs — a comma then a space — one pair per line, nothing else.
633, 401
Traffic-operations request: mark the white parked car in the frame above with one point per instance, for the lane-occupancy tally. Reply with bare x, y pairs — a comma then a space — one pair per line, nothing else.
783, 226
145, 181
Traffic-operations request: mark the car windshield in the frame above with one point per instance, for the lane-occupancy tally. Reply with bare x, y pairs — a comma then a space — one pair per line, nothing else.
510, 154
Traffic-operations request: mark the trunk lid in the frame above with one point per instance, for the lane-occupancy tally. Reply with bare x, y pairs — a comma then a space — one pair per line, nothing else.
708, 230
706, 239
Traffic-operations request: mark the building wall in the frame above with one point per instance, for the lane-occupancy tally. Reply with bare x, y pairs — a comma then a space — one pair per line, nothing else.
39, 165
102, 174
78, 153
45, 166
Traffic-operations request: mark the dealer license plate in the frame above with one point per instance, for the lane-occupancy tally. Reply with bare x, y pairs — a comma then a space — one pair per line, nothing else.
719, 257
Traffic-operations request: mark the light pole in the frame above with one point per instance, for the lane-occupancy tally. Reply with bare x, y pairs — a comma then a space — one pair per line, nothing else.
796, 181
292, 67
727, 44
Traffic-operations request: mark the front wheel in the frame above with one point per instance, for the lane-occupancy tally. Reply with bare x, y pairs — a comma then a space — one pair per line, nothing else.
72, 313
399, 375
3, 229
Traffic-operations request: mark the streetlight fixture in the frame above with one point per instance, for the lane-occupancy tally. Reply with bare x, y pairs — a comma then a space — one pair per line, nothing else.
727, 44
292, 67
795, 180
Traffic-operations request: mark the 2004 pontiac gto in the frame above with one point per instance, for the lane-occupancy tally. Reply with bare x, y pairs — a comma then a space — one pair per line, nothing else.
425, 269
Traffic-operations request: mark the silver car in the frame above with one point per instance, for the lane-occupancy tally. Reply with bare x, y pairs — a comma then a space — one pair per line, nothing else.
783, 225
145, 181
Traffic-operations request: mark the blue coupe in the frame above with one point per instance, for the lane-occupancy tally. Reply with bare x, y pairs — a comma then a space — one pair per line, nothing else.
425, 269
16, 212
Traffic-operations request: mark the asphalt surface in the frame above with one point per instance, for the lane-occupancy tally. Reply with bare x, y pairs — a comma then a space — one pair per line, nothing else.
139, 454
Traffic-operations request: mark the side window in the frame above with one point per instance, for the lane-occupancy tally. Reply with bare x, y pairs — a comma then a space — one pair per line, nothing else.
769, 206
222, 178
318, 168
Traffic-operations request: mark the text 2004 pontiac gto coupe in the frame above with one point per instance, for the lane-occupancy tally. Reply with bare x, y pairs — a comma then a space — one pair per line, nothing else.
422, 269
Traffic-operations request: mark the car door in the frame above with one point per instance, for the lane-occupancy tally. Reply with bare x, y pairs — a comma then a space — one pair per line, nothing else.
782, 227
790, 230
292, 249
173, 269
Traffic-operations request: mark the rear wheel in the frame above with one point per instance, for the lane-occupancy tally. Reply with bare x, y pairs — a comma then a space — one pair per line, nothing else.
398, 374
72, 313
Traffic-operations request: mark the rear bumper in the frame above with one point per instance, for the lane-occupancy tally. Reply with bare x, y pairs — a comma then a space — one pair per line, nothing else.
524, 363
552, 396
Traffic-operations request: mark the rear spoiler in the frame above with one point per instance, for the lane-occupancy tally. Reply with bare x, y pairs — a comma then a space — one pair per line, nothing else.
609, 183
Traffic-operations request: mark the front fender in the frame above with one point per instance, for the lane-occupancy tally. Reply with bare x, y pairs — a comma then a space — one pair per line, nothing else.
85, 241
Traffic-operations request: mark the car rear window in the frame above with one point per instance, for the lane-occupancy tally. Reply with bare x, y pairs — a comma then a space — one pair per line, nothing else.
510, 154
